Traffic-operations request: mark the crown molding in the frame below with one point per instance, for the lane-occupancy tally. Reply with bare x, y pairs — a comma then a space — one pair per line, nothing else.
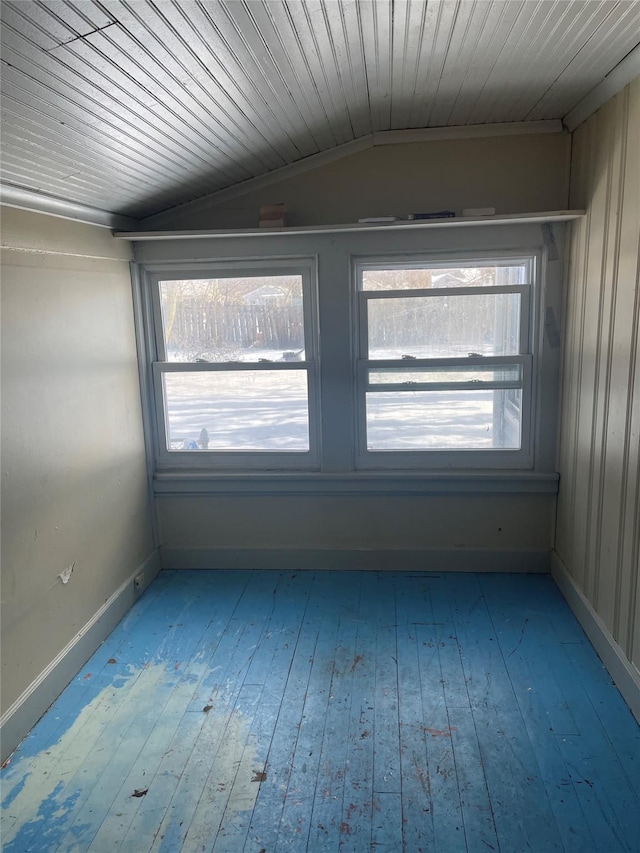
11, 196
624, 72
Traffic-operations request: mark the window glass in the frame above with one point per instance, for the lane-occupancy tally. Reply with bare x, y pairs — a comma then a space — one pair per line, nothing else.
443, 420
256, 318
444, 326
450, 374
466, 318
242, 410
409, 278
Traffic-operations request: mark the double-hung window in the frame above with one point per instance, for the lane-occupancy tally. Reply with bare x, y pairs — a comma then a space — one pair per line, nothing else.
234, 366
444, 368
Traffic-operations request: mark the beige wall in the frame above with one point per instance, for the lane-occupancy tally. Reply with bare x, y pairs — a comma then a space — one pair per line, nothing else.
514, 174
382, 517
74, 488
370, 522
598, 525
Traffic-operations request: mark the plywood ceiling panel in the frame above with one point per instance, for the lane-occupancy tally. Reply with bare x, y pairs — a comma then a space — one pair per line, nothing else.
136, 106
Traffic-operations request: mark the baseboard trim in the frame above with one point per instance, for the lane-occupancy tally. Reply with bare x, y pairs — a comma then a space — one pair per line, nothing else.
406, 559
25, 712
624, 674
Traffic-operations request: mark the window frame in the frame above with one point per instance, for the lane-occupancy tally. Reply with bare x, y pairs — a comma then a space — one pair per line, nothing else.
232, 460
527, 357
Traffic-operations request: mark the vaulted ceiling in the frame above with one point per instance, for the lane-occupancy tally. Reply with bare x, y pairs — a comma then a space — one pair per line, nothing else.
135, 107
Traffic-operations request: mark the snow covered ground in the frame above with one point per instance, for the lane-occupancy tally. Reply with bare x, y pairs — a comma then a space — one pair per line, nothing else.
264, 410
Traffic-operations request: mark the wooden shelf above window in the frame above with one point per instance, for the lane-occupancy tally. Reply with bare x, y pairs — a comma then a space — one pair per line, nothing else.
457, 222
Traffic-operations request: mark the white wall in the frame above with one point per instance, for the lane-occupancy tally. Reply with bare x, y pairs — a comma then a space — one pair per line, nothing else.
74, 482
598, 525
514, 174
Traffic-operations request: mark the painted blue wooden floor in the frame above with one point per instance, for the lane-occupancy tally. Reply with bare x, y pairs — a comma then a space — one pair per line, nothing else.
283, 711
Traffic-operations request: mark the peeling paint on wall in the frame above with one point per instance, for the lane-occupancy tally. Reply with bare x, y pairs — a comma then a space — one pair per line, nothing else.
66, 574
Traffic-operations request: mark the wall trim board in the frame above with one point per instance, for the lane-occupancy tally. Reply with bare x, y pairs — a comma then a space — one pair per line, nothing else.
360, 483
624, 674
357, 559
39, 203
29, 250
25, 712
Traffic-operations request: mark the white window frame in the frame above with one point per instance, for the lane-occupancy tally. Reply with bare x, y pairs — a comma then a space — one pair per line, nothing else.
467, 458
227, 460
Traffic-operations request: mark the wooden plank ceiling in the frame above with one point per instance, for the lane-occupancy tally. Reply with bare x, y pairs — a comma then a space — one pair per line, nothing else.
135, 107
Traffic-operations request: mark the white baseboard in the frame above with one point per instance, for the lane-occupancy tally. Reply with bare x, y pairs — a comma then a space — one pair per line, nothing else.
624, 674
408, 559
25, 712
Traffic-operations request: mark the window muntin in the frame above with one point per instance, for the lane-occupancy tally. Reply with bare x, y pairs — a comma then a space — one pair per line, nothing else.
445, 363
454, 376
234, 374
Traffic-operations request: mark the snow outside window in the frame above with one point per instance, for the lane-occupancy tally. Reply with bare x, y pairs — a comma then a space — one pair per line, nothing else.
444, 367
234, 374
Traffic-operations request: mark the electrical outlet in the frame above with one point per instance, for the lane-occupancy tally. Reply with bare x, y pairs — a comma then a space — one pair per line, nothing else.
138, 581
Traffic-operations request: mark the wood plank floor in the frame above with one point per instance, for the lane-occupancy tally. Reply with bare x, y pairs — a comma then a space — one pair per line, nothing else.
325, 711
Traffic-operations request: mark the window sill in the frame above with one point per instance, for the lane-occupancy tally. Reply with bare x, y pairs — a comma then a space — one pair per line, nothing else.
354, 483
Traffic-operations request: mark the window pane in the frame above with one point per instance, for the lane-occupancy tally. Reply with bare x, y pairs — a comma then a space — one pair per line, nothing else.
451, 373
233, 319
463, 276
443, 420
237, 410
444, 326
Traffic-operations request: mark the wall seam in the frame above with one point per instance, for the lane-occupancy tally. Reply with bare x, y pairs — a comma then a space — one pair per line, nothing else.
635, 544
617, 601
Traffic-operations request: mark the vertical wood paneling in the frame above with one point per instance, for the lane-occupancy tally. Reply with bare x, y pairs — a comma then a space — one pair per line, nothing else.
598, 531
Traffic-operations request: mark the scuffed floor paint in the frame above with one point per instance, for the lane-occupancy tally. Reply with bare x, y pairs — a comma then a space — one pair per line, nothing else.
240, 712
47, 795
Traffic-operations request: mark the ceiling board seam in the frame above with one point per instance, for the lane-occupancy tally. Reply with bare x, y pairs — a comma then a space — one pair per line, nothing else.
623, 73
338, 102
203, 136
144, 24
81, 38
309, 107
445, 55
310, 75
259, 65
86, 133
572, 60
486, 7
84, 96
278, 71
206, 157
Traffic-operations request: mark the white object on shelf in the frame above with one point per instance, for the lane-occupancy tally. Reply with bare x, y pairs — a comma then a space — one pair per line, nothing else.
479, 211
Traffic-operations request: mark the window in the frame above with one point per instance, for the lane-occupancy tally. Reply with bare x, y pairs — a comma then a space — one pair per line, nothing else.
444, 369
326, 356
233, 366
